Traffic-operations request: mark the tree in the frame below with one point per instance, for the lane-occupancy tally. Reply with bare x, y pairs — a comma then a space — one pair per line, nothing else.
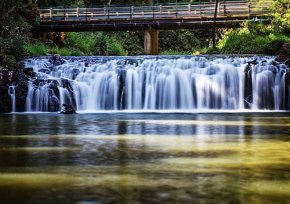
280, 13
15, 28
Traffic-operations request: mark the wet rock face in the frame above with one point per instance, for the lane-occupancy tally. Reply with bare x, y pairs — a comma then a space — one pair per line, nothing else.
286, 47
287, 88
29, 72
56, 60
248, 93
5, 101
19, 80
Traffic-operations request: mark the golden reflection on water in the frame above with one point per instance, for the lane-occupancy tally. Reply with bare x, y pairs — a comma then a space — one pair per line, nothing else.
148, 168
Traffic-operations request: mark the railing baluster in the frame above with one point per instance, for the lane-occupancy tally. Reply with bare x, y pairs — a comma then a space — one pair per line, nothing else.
249, 9
108, 14
189, 10
132, 11
50, 13
225, 8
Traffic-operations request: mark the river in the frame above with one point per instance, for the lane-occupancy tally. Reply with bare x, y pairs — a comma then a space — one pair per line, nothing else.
149, 129
148, 157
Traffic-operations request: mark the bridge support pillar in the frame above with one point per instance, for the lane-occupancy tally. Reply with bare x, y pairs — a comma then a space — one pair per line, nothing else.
151, 36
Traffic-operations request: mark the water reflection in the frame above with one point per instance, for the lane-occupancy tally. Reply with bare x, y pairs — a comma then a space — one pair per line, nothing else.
145, 158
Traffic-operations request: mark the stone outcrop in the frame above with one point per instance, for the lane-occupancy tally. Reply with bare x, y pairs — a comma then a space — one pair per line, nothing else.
19, 80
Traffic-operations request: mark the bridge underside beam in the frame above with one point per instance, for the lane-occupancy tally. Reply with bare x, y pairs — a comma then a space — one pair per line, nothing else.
124, 25
151, 37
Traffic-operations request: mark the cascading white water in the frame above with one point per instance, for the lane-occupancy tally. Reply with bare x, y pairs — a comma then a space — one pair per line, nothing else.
158, 83
11, 92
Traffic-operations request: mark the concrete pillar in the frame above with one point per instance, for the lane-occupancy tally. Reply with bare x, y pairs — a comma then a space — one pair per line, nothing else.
151, 36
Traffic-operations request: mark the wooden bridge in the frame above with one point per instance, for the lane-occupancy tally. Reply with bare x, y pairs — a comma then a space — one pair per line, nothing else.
150, 19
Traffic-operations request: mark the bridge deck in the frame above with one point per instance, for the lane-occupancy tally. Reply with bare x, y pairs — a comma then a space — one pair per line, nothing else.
198, 15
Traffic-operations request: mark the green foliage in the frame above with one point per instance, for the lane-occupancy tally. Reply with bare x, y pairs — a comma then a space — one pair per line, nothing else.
114, 47
13, 34
80, 44
84, 42
38, 49
242, 41
280, 13
184, 40
61, 51
118, 43
16, 18
131, 41
35, 49
174, 52
9, 60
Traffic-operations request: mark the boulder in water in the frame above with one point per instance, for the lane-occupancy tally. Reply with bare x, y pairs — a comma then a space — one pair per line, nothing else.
67, 109
56, 60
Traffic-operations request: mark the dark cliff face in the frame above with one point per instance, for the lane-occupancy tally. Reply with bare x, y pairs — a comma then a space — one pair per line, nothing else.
19, 80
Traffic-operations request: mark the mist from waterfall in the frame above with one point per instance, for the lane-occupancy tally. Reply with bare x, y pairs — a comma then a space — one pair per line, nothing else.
185, 83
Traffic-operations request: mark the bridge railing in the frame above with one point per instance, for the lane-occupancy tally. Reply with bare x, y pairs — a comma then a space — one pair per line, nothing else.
233, 8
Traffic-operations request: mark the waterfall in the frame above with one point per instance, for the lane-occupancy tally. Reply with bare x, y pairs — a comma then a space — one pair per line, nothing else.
158, 83
11, 92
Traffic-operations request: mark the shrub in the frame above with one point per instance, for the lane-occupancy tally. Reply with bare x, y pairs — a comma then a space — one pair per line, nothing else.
84, 42
35, 49
115, 47
174, 52
243, 41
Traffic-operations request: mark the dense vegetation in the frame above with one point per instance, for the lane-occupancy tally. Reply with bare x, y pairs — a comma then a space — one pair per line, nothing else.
18, 17
258, 37
16, 20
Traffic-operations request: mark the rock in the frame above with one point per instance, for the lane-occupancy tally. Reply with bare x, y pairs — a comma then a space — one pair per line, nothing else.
287, 86
287, 62
56, 60
67, 109
29, 72
132, 62
75, 72
254, 62
286, 47
248, 84
44, 70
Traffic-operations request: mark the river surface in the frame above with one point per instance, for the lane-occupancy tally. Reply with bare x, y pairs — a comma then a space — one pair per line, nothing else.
121, 157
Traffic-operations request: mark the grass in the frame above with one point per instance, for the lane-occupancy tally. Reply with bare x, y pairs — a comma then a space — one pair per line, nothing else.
174, 52
36, 49
245, 42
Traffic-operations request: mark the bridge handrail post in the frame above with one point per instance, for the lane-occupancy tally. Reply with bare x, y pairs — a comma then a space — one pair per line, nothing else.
200, 12
131, 12
50, 13
108, 13
249, 9
225, 8
78, 11
86, 14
